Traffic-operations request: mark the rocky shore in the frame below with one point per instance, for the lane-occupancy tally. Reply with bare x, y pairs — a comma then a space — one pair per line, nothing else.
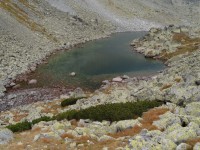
46, 27
27, 41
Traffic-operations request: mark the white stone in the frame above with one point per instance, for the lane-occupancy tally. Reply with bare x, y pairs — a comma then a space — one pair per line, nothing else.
117, 79
72, 74
32, 81
5, 136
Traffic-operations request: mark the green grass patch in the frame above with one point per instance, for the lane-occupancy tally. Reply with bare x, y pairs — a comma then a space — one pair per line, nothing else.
45, 118
109, 112
70, 101
19, 127
117, 111
69, 115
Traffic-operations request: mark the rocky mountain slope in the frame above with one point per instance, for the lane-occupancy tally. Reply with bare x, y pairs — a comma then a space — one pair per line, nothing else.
174, 125
31, 29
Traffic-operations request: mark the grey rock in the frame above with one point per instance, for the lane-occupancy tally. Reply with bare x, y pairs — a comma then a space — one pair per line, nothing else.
125, 124
183, 146
5, 136
182, 134
32, 81
105, 138
197, 146
167, 120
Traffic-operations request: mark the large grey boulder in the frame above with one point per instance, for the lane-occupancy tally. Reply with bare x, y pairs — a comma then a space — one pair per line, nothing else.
197, 146
125, 124
182, 134
5, 135
193, 109
183, 146
151, 140
167, 120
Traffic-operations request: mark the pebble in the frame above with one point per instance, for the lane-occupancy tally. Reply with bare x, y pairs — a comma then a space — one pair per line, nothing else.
32, 81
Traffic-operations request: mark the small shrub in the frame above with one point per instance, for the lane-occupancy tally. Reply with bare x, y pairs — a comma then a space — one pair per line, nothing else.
45, 118
117, 111
110, 112
70, 101
69, 115
19, 127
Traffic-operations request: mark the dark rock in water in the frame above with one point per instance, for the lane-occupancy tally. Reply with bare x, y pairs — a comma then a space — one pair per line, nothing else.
197, 82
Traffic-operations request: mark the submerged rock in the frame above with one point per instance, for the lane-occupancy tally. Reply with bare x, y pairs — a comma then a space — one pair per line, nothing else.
72, 74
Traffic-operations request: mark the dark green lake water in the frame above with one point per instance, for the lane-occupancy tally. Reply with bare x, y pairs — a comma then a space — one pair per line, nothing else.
94, 62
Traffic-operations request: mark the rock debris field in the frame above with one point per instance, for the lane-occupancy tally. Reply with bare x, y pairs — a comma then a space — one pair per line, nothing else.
32, 30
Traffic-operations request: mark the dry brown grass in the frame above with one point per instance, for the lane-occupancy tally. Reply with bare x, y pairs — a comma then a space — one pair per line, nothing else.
31, 7
165, 86
18, 117
63, 136
51, 108
188, 45
22, 17
177, 80
192, 142
148, 118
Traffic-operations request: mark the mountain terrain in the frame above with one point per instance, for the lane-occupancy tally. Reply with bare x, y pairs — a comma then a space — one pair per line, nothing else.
31, 30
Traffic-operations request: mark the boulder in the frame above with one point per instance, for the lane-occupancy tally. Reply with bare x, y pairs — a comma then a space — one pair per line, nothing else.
117, 79
105, 82
182, 134
125, 77
197, 146
183, 146
125, 124
193, 109
78, 92
105, 138
32, 81
58, 125
151, 140
12, 84
167, 120
5, 135
72, 74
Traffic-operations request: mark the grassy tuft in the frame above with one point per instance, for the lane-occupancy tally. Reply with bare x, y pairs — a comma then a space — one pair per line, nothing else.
19, 127
70, 101
117, 111
44, 118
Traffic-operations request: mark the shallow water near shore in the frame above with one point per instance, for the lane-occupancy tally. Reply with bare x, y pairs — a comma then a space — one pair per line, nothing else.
94, 62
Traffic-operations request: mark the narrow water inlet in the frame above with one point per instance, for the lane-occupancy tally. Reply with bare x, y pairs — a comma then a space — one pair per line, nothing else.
94, 62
